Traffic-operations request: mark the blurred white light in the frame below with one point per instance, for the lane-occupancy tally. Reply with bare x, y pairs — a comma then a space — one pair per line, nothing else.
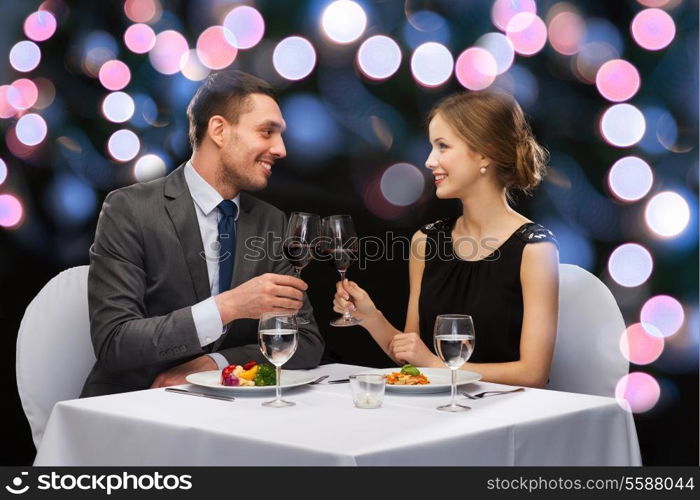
123, 145
245, 26
402, 184
500, 47
667, 214
118, 107
149, 167
31, 129
3, 171
622, 125
432, 64
662, 316
294, 58
25, 56
167, 51
630, 264
344, 21
630, 178
379, 57
192, 68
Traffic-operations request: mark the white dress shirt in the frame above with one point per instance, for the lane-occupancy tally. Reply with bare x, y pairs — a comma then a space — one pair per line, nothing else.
206, 316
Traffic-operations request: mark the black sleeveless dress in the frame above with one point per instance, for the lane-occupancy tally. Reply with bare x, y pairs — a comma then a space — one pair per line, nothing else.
489, 289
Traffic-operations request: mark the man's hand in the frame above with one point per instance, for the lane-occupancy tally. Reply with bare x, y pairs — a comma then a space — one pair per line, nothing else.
176, 375
266, 293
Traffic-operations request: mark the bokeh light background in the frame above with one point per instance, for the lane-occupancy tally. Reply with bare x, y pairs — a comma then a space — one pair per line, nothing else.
94, 99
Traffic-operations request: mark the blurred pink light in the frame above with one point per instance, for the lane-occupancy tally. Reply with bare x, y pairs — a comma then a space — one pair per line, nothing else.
214, 49
653, 3
640, 391
653, 29
40, 25
246, 27
139, 38
11, 211
617, 80
114, 75
476, 68
566, 31
664, 313
16, 147
7, 110
25, 96
639, 346
141, 11
167, 51
527, 32
504, 10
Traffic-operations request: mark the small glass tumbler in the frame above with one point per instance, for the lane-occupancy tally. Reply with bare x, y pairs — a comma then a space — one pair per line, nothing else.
367, 390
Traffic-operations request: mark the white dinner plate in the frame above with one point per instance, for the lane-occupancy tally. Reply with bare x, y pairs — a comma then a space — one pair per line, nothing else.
289, 378
440, 379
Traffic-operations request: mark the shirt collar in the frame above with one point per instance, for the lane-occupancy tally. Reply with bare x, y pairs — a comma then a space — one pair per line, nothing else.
204, 195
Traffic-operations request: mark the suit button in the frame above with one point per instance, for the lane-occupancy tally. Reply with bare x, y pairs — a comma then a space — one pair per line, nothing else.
208, 339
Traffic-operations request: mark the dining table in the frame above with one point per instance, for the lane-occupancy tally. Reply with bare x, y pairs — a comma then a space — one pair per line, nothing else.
155, 427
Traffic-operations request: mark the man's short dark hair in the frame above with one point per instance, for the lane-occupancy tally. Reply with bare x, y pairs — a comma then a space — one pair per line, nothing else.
223, 93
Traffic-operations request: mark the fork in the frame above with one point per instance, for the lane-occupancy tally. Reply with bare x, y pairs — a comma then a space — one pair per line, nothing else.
318, 380
493, 393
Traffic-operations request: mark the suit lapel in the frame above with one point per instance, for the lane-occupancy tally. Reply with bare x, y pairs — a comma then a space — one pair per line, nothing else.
180, 208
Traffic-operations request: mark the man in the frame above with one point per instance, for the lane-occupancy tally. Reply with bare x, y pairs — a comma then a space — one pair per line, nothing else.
175, 284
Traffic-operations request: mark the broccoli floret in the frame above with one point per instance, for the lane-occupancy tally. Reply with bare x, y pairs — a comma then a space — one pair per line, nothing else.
265, 376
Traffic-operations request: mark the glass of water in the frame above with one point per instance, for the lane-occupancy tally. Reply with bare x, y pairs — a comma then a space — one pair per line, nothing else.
453, 338
277, 337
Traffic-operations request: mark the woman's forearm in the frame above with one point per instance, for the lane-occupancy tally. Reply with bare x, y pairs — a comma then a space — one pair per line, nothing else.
510, 373
381, 330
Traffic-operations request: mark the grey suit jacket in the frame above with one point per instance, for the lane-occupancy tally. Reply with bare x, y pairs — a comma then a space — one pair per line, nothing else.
146, 272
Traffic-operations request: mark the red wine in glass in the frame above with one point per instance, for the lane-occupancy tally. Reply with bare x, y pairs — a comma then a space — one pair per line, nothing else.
303, 230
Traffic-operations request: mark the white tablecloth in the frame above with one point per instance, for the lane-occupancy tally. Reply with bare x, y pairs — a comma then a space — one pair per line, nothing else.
154, 427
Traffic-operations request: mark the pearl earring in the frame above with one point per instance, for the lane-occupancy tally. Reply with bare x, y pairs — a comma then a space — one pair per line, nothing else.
482, 170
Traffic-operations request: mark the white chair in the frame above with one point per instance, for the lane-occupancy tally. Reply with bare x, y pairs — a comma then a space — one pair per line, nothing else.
54, 351
587, 357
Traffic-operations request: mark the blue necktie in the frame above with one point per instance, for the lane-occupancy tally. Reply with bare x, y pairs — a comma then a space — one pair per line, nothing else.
227, 243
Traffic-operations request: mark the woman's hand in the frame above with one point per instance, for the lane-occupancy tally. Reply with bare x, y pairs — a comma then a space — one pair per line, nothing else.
350, 297
409, 348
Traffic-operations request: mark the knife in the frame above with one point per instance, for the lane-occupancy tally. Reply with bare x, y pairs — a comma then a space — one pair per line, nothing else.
339, 381
200, 394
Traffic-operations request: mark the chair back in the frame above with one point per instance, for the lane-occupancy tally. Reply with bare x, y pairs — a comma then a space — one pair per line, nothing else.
587, 357
54, 350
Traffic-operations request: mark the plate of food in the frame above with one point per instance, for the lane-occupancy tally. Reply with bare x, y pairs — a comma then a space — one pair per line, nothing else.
249, 378
410, 379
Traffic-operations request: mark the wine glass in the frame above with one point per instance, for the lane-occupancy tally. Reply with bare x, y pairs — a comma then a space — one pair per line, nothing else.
342, 247
453, 338
302, 231
277, 337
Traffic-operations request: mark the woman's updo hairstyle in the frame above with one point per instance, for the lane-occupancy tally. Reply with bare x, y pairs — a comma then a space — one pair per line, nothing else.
493, 124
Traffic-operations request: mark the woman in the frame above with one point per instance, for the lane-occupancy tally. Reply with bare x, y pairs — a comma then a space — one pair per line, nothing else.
490, 261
